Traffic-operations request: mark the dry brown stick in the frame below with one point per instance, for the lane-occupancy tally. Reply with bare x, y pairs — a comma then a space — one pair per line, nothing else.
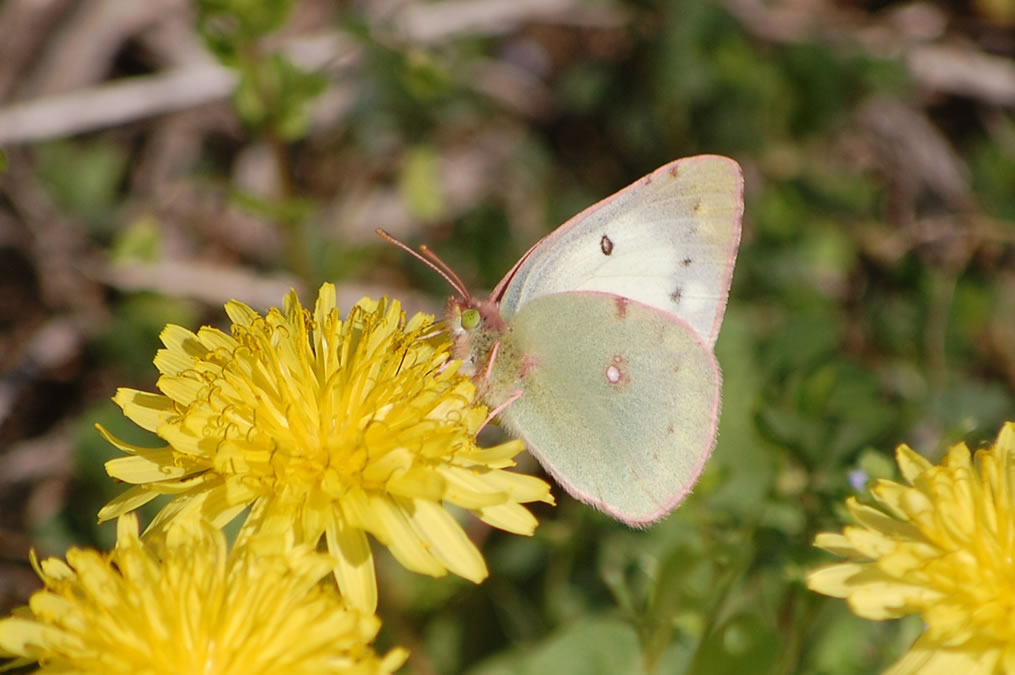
125, 101
439, 21
84, 46
914, 33
217, 284
131, 99
965, 71
24, 29
116, 103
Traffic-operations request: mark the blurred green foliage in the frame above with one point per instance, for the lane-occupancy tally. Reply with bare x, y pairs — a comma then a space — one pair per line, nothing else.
84, 179
833, 351
273, 94
229, 27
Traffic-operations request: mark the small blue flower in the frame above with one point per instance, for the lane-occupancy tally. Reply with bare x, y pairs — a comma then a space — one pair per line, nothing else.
858, 479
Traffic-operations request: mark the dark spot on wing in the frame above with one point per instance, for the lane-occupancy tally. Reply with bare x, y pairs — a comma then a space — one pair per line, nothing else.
697, 206
621, 307
606, 245
669, 429
675, 295
686, 262
674, 170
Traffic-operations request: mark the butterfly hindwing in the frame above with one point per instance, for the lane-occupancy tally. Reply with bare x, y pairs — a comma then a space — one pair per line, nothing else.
619, 401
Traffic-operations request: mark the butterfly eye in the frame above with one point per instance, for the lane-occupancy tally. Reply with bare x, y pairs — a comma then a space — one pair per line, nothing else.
470, 319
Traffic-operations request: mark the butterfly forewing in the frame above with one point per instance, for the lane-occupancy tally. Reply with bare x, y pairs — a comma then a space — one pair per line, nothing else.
669, 241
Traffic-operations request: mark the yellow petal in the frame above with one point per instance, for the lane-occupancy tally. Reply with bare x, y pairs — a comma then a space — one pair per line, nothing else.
906, 560
498, 457
885, 599
187, 443
156, 465
926, 657
911, 463
18, 636
133, 498
509, 517
326, 302
519, 487
834, 580
876, 520
836, 543
465, 488
448, 542
241, 314
420, 483
183, 389
214, 339
396, 462
354, 572
123, 445
869, 544
357, 512
148, 411
402, 540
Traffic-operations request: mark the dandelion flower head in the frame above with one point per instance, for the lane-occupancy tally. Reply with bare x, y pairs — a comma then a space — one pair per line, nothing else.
941, 546
184, 604
328, 428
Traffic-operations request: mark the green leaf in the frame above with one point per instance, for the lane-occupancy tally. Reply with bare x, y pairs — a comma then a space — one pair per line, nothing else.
592, 646
141, 239
84, 178
420, 184
228, 27
745, 643
274, 96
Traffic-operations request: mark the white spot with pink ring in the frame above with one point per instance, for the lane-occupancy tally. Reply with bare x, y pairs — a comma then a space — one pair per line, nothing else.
615, 373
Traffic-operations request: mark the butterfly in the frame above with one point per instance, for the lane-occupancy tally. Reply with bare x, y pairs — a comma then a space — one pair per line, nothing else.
596, 348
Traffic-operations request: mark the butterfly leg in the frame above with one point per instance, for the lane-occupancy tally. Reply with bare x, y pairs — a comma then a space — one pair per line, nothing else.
490, 361
515, 395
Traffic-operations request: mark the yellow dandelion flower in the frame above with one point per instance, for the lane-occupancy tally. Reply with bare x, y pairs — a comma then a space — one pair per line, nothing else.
184, 604
943, 547
327, 428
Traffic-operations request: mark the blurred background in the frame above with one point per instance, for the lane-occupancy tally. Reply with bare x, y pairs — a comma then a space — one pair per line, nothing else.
161, 157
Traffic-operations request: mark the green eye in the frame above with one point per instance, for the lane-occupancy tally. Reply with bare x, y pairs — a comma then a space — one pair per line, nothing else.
470, 319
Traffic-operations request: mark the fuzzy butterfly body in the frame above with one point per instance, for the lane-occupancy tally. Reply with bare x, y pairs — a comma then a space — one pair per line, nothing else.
596, 348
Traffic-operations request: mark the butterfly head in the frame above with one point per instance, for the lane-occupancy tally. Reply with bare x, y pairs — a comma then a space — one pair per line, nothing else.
475, 326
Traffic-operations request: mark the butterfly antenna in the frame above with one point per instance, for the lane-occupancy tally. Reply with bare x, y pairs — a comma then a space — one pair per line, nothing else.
448, 273
431, 260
